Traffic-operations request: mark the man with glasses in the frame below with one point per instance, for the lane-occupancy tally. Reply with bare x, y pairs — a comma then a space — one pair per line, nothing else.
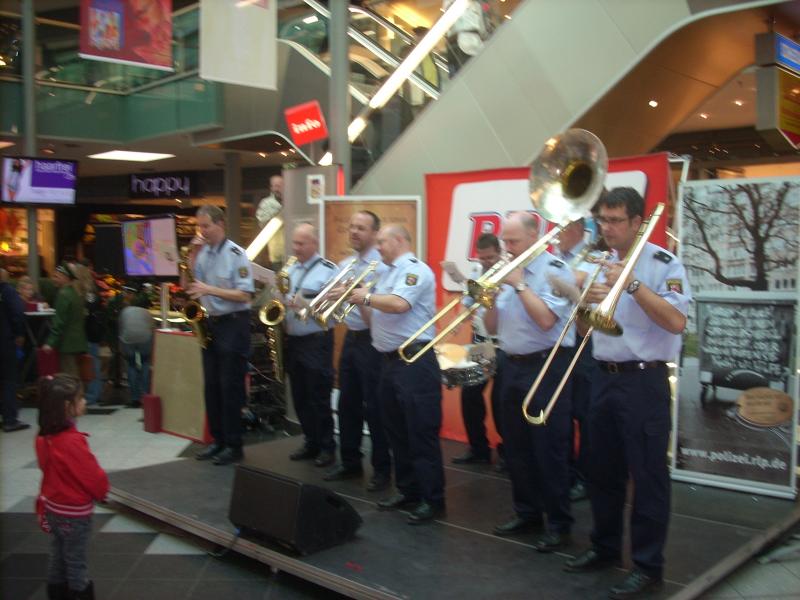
629, 414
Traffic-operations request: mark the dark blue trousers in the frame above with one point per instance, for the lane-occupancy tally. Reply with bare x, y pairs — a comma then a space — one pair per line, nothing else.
309, 363
629, 424
411, 398
224, 371
537, 457
359, 376
473, 411
581, 395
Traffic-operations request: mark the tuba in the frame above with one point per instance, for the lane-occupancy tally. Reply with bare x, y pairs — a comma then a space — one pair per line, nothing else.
194, 312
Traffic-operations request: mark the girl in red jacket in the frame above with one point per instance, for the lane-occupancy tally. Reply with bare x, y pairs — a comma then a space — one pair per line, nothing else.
72, 480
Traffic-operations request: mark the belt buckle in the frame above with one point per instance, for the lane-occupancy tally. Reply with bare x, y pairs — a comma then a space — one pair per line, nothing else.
641, 366
612, 367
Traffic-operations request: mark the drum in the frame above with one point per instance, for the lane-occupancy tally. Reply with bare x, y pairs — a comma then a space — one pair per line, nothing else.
466, 365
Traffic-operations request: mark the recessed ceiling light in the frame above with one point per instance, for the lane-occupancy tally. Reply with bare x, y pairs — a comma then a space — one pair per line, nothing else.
262, 154
48, 151
130, 155
6, 144
653, 103
310, 20
738, 102
703, 115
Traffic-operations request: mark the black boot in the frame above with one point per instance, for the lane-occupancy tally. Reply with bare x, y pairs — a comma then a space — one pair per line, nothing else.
86, 594
57, 591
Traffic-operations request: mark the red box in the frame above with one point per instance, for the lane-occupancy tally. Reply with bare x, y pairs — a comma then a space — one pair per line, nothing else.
152, 413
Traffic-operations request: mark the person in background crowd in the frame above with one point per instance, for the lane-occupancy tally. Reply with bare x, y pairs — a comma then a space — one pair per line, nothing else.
268, 208
27, 291
629, 412
410, 394
224, 285
136, 326
68, 327
465, 38
12, 332
95, 327
72, 480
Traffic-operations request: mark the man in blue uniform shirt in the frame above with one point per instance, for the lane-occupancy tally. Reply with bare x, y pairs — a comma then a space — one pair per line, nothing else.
629, 414
309, 356
224, 285
410, 394
360, 367
528, 318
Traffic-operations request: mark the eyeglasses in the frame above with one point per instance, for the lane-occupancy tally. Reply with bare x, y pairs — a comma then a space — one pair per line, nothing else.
611, 220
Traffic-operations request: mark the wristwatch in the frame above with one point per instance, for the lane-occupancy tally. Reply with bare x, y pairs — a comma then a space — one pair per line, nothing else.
367, 299
520, 287
633, 286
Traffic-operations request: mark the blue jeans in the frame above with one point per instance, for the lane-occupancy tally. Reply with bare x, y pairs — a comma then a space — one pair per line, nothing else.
95, 386
138, 358
68, 551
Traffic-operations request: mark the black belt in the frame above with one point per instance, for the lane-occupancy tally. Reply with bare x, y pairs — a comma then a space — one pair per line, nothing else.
231, 315
630, 365
360, 335
309, 336
410, 350
528, 358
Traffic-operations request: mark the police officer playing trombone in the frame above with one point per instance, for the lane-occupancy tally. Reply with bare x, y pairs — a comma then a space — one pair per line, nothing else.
629, 414
528, 318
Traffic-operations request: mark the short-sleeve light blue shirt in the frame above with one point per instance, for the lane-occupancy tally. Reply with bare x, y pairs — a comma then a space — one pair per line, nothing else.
517, 331
642, 339
354, 320
412, 280
307, 279
226, 266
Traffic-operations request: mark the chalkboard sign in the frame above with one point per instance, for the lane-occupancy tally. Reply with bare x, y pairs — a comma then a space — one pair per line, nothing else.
745, 343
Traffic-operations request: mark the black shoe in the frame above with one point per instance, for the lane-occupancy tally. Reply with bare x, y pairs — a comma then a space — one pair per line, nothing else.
305, 453
578, 492
341, 473
209, 452
398, 502
15, 426
636, 584
500, 466
378, 483
325, 459
552, 541
425, 512
589, 561
228, 456
471, 458
518, 525
57, 591
86, 594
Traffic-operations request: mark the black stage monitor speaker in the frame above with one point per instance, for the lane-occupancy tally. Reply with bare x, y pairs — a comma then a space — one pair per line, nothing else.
303, 517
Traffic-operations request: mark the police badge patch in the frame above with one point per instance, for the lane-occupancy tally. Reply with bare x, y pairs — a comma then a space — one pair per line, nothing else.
411, 279
242, 271
675, 285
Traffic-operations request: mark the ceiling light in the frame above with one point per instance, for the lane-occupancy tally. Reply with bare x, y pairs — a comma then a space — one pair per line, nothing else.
703, 115
262, 154
131, 155
2, 62
48, 151
738, 102
653, 103
310, 20
4, 144
507, 17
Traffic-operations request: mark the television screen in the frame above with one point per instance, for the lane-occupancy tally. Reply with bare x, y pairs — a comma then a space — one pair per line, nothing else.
39, 180
150, 247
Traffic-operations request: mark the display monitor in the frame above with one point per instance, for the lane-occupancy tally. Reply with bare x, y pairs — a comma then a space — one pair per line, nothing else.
150, 247
29, 180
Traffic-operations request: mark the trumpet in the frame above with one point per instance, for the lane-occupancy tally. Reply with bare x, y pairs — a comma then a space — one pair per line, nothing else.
319, 300
323, 309
565, 181
194, 312
601, 319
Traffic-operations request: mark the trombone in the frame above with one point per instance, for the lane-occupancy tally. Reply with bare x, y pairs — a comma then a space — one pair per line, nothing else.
565, 181
601, 318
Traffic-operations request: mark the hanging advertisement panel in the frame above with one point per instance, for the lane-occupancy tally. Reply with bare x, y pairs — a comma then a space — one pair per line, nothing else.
133, 32
736, 415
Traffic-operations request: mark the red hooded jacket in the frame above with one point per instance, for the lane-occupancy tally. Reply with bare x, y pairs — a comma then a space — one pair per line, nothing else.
72, 478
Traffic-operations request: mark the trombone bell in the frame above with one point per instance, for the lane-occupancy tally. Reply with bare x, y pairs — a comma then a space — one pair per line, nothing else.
600, 321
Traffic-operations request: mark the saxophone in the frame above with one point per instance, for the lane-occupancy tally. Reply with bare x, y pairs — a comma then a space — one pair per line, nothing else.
272, 315
194, 312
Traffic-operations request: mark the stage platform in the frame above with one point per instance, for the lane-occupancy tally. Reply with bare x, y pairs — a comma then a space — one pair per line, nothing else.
711, 533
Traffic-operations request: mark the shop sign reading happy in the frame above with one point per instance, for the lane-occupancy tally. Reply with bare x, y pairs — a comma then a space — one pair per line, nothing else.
163, 185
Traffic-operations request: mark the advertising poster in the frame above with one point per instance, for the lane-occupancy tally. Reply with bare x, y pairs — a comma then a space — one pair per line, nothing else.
736, 416
134, 32
150, 247
36, 180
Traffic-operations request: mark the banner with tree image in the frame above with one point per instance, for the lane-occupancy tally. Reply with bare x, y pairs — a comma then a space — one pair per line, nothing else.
736, 413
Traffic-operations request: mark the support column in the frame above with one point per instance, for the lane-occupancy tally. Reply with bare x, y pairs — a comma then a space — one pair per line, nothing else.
233, 195
339, 93
29, 110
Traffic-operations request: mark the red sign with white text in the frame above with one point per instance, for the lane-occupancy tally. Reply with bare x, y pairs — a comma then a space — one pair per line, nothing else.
306, 123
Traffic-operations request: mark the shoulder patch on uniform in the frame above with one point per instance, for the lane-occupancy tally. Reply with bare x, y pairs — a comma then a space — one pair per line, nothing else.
411, 279
675, 285
326, 263
664, 257
413, 260
236, 251
242, 271
557, 263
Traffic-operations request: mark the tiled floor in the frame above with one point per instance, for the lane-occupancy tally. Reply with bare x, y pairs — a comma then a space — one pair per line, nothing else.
134, 557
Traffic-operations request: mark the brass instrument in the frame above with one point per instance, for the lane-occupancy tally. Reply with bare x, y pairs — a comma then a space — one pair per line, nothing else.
193, 312
319, 300
282, 277
328, 309
272, 315
565, 180
601, 318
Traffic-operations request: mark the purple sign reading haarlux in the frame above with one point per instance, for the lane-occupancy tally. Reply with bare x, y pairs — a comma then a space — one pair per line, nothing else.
31, 180
53, 174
